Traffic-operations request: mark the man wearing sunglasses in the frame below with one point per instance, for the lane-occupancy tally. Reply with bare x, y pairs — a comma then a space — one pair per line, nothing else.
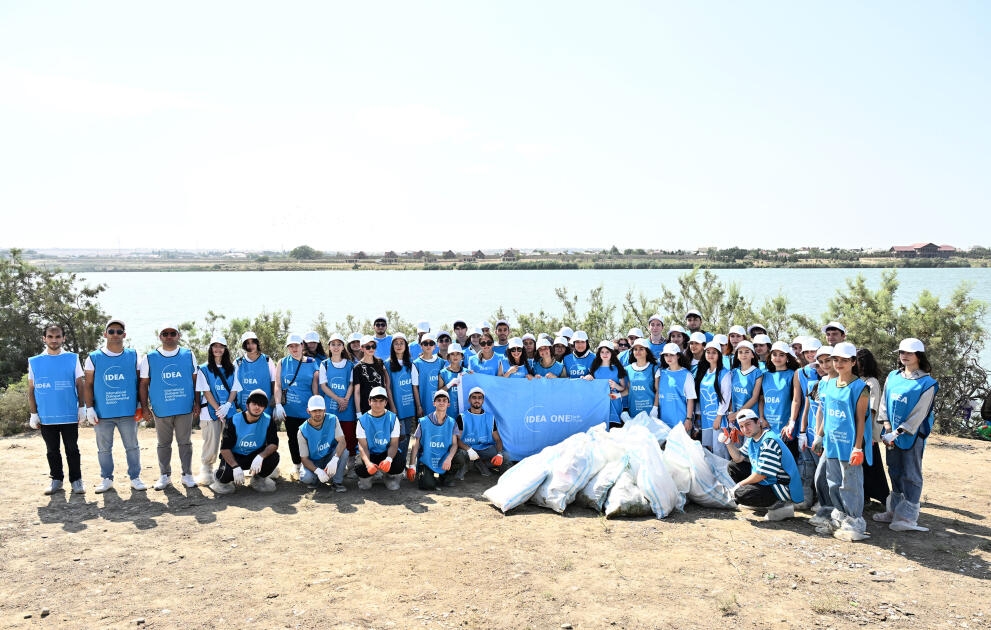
111, 394
167, 393
428, 367
383, 341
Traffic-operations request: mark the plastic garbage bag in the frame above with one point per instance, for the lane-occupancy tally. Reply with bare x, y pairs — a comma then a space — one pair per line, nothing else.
518, 484
678, 461
704, 486
657, 428
593, 495
655, 481
625, 498
570, 471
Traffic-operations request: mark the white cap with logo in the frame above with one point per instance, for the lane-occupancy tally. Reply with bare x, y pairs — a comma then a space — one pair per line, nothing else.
911, 344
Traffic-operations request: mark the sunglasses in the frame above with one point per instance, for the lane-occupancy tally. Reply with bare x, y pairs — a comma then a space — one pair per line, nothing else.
370, 346
623, 346
168, 333
486, 343
115, 331
427, 343
379, 324
516, 349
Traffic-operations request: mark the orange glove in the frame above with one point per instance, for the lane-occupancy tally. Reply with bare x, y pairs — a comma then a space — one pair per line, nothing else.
411, 473
857, 457
385, 464
138, 414
736, 436
372, 468
497, 460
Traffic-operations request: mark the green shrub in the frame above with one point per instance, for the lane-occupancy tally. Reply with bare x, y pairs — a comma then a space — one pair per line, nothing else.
14, 409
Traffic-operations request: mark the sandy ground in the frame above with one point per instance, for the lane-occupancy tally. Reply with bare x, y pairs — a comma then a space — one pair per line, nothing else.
302, 558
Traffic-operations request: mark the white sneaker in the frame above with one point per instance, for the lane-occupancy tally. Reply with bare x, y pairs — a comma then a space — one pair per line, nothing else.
163, 482
365, 483
54, 486
222, 488
137, 484
205, 478
781, 513
77, 487
188, 481
262, 484
392, 482
106, 484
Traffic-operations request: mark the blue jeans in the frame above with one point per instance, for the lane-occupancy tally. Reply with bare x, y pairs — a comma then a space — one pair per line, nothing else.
905, 470
105, 440
309, 477
840, 485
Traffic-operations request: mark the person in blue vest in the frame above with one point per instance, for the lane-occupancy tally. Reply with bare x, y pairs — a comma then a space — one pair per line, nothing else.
218, 383
383, 341
450, 379
486, 361
322, 446
714, 392
579, 360
676, 390
642, 373
444, 345
433, 447
746, 379
335, 380
255, 370
460, 328
403, 374
696, 349
378, 443
516, 364
422, 328
843, 441
545, 366
777, 392
907, 417
297, 377
428, 367
561, 349
656, 337
835, 333
312, 346
768, 476
168, 397
624, 356
250, 444
56, 402
606, 366
529, 347
762, 350
678, 336
112, 398
501, 337
693, 322
478, 441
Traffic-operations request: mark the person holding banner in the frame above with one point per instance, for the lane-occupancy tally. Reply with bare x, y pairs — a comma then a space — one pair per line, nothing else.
529, 348
378, 442
486, 361
545, 366
479, 441
335, 382
321, 446
217, 382
517, 366
643, 374
606, 366
676, 390
714, 391
402, 375
449, 380
580, 359
433, 447
561, 349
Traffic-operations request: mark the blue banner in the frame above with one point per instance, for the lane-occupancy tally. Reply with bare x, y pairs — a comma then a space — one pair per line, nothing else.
531, 415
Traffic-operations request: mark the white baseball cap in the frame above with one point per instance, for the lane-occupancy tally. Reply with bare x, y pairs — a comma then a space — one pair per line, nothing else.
782, 346
762, 339
398, 335
744, 414
475, 331
514, 342
218, 339
381, 318
544, 336
115, 320
528, 336
752, 327
810, 343
378, 392
248, 335
565, 332
697, 337
605, 343
677, 328
744, 344
635, 332
484, 325
721, 339
258, 393
560, 341
311, 336
544, 343
693, 312
444, 333
422, 327
714, 345
501, 321
738, 330
168, 326
429, 337
455, 323
476, 390
455, 347
355, 336
824, 350
798, 340
911, 344
580, 335
440, 393
845, 350
294, 338
368, 339
335, 337
671, 348
316, 402
657, 317
838, 326
643, 343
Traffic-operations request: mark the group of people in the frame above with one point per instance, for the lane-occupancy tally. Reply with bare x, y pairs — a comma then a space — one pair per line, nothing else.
802, 423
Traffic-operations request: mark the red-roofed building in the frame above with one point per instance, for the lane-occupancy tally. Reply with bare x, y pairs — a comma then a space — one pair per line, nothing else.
923, 250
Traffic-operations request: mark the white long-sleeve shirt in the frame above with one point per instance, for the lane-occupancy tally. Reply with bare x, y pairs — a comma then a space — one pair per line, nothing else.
918, 414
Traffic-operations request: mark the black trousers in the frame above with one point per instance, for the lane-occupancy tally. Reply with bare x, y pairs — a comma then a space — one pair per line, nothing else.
397, 467
292, 428
225, 474
753, 495
875, 481
69, 434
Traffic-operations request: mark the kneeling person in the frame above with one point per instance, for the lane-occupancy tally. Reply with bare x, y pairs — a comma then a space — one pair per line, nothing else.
378, 442
770, 479
321, 444
432, 450
479, 441
250, 441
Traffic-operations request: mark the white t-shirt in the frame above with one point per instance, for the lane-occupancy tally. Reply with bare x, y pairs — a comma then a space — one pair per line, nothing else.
359, 431
202, 385
323, 369
304, 446
633, 366
143, 364
79, 370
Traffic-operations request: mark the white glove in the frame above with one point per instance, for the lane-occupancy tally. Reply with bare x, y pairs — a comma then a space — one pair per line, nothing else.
223, 409
256, 464
653, 412
817, 443
723, 438
279, 413
81, 414
888, 438
331, 468
803, 442
91, 415
238, 476
472, 455
734, 489
35, 421
322, 475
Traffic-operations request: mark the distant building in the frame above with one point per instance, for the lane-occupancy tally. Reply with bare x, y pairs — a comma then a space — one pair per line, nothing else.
923, 250
238, 255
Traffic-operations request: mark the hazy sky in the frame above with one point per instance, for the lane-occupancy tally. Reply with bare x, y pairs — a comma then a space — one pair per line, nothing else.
436, 125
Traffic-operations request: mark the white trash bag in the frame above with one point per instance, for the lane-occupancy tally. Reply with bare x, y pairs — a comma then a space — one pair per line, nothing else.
689, 459
570, 471
593, 495
677, 459
518, 484
625, 498
655, 481
657, 428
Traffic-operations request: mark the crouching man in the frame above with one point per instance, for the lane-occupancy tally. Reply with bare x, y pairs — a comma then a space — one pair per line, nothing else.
433, 446
378, 442
770, 479
321, 444
250, 442
479, 443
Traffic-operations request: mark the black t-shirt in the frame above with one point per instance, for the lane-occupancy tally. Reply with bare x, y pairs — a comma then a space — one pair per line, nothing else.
229, 437
368, 376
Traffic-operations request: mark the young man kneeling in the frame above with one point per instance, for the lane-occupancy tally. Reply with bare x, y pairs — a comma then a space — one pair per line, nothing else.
432, 448
321, 444
479, 441
250, 441
378, 442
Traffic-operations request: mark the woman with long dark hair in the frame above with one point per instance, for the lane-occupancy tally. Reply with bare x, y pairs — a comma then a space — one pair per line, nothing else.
714, 391
875, 481
336, 373
218, 385
676, 389
313, 347
642, 373
606, 366
777, 391
297, 378
516, 364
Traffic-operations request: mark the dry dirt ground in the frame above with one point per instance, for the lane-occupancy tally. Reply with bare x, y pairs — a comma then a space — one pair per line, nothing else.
302, 558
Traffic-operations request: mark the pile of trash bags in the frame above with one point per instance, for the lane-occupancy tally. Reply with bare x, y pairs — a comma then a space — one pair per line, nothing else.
619, 472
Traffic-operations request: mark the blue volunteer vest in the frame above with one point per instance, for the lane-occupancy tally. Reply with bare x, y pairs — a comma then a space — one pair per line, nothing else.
427, 373
709, 399
606, 372
626, 356
485, 366
378, 431
435, 442
55, 387
383, 347
500, 350
578, 367
115, 383
673, 404
250, 436
449, 376
521, 371
777, 390
727, 362
809, 407
901, 396
477, 431
323, 441
297, 394
787, 462
656, 348
253, 375
338, 380
220, 393
401, 383
744, 386
539, 370
642, 390
170, 385
839, 406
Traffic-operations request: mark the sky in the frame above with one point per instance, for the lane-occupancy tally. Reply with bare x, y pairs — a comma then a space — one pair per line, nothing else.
466, 125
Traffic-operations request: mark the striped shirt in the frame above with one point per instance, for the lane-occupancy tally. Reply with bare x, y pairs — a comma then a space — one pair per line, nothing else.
768, 463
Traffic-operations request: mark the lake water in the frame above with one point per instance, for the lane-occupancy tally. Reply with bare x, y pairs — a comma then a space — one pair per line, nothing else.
145, 299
